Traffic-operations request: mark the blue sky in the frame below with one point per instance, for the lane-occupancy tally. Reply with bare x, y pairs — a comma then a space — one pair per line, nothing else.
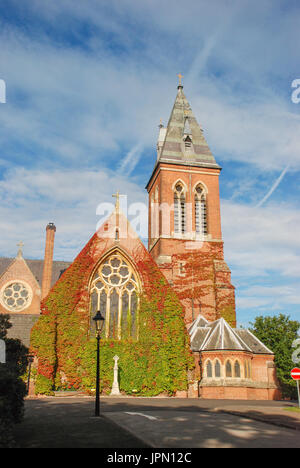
87, 83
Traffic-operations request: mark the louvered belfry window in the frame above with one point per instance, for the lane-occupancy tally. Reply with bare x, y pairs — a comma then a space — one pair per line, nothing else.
114, 291
179, 210
200, 211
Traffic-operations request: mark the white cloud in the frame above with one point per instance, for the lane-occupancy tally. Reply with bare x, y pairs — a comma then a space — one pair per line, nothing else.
262, 239
83, 103
32, 198
82, 106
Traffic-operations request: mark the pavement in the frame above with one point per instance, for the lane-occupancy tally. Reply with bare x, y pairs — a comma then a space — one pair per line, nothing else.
68, 421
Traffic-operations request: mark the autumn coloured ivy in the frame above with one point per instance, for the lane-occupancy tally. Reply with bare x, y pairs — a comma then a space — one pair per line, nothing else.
156, 363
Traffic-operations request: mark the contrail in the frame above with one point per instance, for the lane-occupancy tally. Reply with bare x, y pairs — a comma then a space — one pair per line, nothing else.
274, 187
131, 160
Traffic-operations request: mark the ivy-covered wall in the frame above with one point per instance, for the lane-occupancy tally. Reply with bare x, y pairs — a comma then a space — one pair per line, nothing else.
157, 363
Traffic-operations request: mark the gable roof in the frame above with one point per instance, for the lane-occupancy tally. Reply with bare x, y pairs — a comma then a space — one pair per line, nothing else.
218, 335
36, 268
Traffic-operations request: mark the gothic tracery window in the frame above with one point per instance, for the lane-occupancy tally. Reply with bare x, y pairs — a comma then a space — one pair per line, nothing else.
114, 291
200, 211
179, 209
16, 296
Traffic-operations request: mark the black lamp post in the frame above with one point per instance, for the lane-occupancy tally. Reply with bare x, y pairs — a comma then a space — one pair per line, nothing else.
30, 358
99, 322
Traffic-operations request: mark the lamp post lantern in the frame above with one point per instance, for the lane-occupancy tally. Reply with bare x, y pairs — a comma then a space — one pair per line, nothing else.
99, 322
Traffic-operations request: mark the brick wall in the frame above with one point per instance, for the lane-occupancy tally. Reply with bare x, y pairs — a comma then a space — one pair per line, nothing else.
165, 248
21, 327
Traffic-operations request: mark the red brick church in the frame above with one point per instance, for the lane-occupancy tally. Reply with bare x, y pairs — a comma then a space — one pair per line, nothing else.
115, 270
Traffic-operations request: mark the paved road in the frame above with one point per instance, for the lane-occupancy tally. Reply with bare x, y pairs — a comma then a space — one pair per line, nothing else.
204, 429
68, 422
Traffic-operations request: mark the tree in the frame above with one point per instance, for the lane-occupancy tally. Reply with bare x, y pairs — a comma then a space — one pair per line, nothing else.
278, 334
4, 325
12, 387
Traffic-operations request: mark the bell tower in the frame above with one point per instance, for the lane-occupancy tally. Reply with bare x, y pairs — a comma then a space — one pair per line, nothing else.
185, 237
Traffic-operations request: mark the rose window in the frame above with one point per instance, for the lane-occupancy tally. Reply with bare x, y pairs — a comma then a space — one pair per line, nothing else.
16, 296
114, 291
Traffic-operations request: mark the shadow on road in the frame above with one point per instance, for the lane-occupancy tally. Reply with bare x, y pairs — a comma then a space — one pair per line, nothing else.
69, 423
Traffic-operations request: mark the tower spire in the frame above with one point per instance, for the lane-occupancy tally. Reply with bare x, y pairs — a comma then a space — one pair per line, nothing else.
182, 122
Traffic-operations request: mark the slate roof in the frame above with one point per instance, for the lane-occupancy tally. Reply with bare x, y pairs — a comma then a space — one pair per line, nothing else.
182, 123
218, 335
36, 267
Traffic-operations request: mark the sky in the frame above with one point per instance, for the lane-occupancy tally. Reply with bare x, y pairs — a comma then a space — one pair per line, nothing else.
87, 83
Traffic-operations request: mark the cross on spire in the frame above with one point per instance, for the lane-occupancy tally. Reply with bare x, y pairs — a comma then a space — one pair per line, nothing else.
117, 197
20, 251
180, 76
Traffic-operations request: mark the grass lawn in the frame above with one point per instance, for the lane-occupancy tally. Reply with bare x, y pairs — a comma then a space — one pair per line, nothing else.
292, 408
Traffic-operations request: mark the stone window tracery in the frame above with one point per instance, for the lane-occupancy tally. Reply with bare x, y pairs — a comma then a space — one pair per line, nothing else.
114, 291
16, 296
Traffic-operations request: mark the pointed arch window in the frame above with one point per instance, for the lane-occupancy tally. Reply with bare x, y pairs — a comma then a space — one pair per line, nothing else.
217, 369
228, 369
209, 369
237, 369
200, 211
179, 209
114, 291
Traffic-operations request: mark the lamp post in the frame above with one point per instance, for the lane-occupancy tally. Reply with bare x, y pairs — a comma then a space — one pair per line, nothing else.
30, 361
99, 322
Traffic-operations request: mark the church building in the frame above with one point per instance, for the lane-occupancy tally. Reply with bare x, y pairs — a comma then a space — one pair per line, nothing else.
169, 310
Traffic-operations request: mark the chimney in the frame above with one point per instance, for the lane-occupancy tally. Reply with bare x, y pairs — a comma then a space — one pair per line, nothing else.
48, 259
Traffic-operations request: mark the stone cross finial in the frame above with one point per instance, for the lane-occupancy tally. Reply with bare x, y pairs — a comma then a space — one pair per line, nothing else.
117, 197
115, 387
180, 76
20, 251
